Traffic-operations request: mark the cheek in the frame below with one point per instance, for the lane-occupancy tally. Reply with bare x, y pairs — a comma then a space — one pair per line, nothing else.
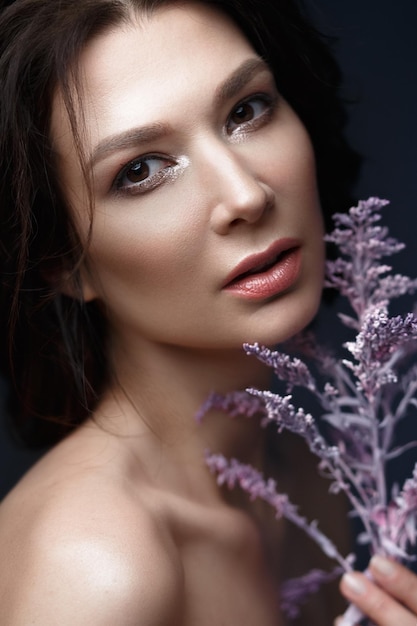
137, 249
289, 161
301, 162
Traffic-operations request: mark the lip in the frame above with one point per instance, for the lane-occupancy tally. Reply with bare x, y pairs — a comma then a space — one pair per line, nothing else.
279, 266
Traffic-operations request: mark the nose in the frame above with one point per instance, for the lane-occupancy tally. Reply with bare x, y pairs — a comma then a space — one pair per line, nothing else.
239, 196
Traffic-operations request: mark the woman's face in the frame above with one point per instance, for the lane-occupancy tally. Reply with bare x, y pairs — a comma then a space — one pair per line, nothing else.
199, 166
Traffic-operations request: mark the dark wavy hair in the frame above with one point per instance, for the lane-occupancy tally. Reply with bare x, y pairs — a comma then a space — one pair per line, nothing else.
53, 347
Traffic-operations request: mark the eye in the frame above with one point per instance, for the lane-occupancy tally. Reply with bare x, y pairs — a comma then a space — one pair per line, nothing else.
249, 113
143, 174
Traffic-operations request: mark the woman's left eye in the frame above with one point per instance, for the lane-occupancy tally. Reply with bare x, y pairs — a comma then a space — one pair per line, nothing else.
248, 113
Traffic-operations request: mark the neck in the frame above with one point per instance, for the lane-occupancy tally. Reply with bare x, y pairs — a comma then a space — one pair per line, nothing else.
158, 398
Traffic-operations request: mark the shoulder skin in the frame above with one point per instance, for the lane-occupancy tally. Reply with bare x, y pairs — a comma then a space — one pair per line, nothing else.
86, 555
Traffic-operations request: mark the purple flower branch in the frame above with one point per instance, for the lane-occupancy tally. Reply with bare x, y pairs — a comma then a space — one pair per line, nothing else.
291, 370
363, 399
295, 591
234, 403
407, 398
232, 473
285, 416
280, 410
396, 452
364, 243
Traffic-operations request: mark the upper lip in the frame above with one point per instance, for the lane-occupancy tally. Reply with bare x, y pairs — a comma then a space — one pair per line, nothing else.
261, 260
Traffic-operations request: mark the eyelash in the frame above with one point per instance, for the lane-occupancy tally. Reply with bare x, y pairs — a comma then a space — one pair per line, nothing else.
165, 173
270, 104
148, 183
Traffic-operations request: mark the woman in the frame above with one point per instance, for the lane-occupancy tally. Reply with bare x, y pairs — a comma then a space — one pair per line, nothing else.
160, 206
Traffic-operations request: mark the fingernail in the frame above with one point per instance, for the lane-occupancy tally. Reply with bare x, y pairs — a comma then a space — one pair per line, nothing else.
355, 585
382, 566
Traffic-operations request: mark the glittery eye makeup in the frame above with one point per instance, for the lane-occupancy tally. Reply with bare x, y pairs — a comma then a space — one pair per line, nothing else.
146, 173
251, 113
149, 171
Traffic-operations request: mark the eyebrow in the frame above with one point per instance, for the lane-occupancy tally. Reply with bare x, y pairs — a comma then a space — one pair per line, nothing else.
152, 132
128, 139
240, 78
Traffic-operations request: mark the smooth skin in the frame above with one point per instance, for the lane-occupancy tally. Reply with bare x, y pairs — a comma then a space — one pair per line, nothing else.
218, 189
197, 163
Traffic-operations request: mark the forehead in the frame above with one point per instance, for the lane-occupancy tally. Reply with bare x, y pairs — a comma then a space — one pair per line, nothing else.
142, 69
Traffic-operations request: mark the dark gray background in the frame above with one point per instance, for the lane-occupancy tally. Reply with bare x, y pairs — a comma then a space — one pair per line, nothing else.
377, 48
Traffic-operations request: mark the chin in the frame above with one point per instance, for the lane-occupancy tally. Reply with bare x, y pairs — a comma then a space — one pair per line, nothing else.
282, 324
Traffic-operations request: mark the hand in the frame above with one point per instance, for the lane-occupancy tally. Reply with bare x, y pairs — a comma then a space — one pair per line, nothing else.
390, 599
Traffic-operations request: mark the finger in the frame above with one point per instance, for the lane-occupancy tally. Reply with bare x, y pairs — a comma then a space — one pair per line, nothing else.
350, 616
375, 602
339, 621
396, 579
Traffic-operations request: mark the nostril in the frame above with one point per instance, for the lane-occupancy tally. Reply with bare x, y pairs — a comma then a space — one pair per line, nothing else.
247, 203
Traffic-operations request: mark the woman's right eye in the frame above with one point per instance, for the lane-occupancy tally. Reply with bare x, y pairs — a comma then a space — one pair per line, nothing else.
142, 174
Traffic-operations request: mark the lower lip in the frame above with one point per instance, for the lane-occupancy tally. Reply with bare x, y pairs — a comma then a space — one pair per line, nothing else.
276, 280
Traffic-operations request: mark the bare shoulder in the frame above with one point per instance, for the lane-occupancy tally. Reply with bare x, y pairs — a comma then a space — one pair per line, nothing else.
85, 550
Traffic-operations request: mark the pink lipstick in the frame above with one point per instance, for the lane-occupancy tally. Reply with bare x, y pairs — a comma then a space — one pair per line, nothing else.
267, 274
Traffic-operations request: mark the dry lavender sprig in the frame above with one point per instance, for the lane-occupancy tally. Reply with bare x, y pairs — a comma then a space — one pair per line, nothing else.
250, 480
295, 590
359, 274
367, 396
